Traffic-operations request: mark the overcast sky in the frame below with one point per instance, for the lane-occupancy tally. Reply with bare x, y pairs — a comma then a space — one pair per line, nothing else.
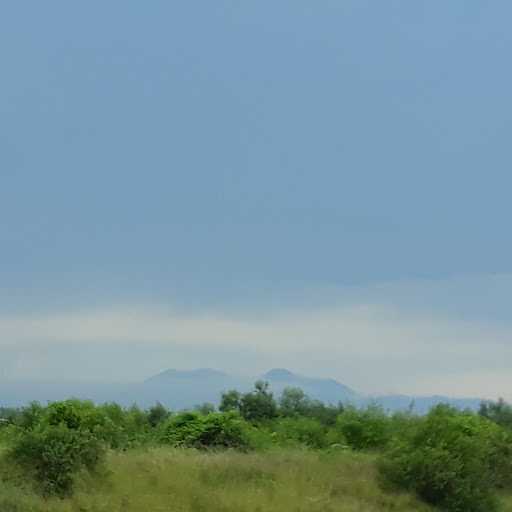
323, 186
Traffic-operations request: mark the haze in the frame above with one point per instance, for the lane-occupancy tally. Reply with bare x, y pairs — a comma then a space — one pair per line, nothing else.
318, 186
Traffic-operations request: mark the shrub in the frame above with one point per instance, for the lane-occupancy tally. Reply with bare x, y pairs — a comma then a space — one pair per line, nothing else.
30, 416
85, 416
501, 457
230, 401
259, 438
294, 402
259, 404
223, 430
64, 413
303, 431
364, 429
157, 414
182, 430
500, 412
54, 455
448, 459
117, 427
215, 430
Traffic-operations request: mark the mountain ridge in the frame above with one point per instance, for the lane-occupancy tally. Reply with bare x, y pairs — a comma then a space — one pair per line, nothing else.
180, 389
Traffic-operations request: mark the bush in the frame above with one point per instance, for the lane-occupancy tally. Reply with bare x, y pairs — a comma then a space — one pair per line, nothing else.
64, 413
157, 414
500, 412
259, 404
54, 455
303, 431
223, 430
215, 430
364, 429
294, 402
182, 430
30, 415
117, 427
449, 460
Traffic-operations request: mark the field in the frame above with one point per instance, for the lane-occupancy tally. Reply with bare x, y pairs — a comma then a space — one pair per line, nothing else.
168, 480
75, 456
164, 479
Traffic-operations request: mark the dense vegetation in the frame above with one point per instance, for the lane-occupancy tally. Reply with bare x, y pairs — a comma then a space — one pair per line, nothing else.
455, 460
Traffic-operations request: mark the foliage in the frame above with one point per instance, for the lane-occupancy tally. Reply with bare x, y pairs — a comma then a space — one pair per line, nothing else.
499, 412
8, 414
230, 401
66, 413
205, 408
456, 460
365, 429
29, 416
308, 432
294, 402
55, 454
448, 459
55, 443
256, 406
163, 478
157, 414
259, 404
215, 430
118, 428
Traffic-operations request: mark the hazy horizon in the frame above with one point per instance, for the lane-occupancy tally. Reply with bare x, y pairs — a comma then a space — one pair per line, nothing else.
241, 186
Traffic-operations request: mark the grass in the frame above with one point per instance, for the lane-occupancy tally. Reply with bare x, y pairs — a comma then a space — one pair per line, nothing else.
162, 479
189, 481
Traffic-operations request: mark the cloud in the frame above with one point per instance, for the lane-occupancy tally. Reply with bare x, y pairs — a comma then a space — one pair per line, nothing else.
373, 344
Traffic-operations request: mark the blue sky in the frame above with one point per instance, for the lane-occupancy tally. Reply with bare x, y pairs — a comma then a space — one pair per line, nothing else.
253, 159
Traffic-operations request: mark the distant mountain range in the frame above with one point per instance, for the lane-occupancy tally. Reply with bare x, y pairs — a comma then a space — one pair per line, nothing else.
178, 389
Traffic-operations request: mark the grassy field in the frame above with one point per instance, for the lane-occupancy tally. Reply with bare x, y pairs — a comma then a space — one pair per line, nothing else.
189, 481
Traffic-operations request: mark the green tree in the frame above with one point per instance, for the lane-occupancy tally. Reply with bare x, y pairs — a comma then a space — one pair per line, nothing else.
450, 459
30, 416
157, 414
294, 402
258, 404
500, 412
54, 454
365, 429
230, 401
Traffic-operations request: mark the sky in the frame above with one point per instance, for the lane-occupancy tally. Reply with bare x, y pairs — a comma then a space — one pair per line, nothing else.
322, 186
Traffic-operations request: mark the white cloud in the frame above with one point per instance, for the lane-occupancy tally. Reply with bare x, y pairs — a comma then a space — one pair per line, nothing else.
380, 345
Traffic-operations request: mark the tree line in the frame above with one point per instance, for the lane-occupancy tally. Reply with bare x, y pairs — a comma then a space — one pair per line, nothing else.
457, 460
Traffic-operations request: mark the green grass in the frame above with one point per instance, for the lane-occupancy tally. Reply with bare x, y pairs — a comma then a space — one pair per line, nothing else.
188, 481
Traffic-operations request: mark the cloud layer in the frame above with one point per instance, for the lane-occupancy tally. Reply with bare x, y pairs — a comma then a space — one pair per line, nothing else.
376, 340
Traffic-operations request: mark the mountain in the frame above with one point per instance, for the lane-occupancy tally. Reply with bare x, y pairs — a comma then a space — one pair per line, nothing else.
172, 375
180, 389
326, 390
422, 404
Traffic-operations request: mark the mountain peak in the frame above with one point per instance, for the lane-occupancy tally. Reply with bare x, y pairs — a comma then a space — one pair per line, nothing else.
279, 374
172, 374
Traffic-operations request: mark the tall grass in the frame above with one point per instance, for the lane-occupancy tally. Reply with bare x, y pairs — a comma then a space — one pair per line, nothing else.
163, 479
